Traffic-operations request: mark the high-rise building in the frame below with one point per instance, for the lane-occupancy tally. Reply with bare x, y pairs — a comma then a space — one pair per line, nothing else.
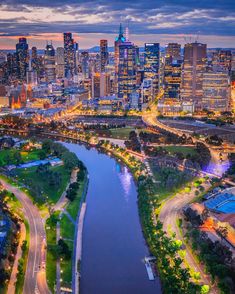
49, 63
173, 52
151, 64
192, 76
172, 79
35, 60
22, 53
100, 85
104, 55
12, 66
172, 71
118, 40
216, 91
60, 62
146, 92
31, 75
126, 71
221, 60
85, 64
76, 58
69, 55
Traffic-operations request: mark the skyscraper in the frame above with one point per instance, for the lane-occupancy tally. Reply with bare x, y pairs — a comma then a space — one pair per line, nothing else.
126, 71
12, 66
173, 51
69, 55
49, 63
100, 85
118, 40
192, 76
151, 64
172, 71
85, 64
104, 55
60, 62
222, 60
22, 53
34, 60
216, 91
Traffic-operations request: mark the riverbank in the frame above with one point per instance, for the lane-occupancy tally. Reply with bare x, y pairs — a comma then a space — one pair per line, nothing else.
64, 218
144, 186
112, 231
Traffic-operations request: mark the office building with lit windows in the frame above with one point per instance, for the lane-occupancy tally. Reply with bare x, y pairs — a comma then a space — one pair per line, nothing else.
173, 52
100, 85
172, 79
49, 63
216, 91
126, 71
22, 55
152, 64
69, 55
85, 64
104, 55
172, 71
194, 66
118, 40
60, 67
222, 60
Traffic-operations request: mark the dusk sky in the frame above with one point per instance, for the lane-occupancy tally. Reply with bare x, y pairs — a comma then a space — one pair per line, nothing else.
213, 21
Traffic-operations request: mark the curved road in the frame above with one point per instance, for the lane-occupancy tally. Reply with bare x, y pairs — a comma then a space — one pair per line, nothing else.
35, 276
169, 214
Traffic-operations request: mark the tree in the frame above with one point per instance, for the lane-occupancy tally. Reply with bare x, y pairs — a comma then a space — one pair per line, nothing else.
47, 145
222, 231
17, 156
70, 160
64, 249
42, 154
205, 289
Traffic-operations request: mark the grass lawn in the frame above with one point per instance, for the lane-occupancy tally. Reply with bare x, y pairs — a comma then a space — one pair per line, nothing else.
67, 233
121, 133
50, 258
31, 178
66, 268
7, 156
161, 188
185, 150
66, 228
14, 204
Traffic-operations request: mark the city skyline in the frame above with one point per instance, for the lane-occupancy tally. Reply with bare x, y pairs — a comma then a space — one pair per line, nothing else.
209, 22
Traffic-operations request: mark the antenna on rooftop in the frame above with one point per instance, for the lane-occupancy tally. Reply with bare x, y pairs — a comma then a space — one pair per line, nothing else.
127, 32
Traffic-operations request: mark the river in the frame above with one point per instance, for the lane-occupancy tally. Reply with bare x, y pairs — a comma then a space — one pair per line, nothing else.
113, 244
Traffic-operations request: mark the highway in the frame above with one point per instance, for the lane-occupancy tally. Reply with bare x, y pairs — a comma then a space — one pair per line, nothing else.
35, 276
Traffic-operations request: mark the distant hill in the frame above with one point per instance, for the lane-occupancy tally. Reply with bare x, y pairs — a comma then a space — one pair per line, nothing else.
96, 49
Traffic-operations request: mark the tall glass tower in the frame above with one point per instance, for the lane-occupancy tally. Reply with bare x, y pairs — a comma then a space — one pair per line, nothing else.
69, 55
152, 64
126, 71
49, 63
104, 55
22, 53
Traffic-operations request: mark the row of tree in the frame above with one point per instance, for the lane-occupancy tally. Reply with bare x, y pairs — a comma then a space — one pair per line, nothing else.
175, 278
133, 142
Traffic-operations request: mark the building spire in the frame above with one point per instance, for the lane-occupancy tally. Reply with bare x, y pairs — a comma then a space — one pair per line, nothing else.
120, 30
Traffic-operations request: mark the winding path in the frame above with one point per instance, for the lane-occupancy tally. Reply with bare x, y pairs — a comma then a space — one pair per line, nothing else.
35, 276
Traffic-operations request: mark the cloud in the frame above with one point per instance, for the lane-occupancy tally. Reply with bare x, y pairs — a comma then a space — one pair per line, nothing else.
103, 16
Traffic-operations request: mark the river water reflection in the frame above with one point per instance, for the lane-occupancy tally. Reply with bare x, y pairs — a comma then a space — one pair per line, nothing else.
113, 244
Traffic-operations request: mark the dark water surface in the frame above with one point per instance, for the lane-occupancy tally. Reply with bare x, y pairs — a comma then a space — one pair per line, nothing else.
113, 244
